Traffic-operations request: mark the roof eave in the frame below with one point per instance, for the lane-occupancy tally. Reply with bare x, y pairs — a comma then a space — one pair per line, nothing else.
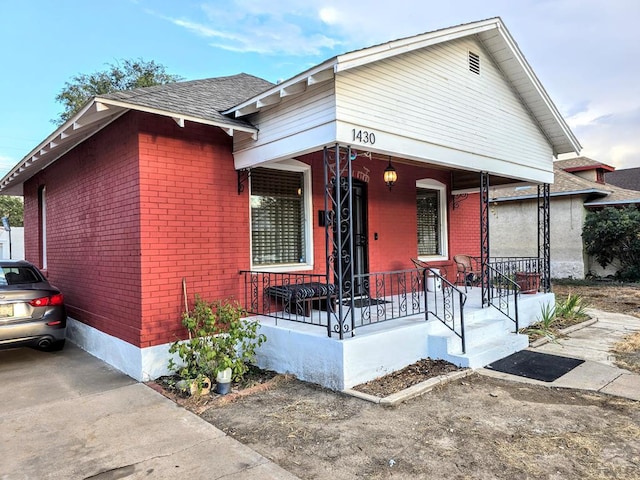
612, 202
293, 86
178, 117
571, 145
93, 117
552, 194
66, 137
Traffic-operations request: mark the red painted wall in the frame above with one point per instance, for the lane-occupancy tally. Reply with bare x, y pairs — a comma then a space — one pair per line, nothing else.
130, 213
93, 213
465, 227
194, 225
392, 215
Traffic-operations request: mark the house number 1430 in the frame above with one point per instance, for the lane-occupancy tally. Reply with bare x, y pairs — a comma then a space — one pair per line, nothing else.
363, 136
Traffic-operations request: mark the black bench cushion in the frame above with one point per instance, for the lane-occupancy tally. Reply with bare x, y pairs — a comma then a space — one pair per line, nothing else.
301, 291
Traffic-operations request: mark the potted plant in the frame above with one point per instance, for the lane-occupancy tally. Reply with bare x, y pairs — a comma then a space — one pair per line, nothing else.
529, 282
220, 341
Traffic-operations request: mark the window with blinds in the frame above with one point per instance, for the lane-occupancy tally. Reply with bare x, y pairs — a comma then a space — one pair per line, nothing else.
277, 217
428, 222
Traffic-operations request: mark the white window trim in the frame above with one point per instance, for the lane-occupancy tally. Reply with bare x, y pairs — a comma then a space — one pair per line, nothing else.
43, 225
291, 166
432, 184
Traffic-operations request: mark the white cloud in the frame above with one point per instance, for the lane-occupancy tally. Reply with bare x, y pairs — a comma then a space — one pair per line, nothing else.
329, 15
613, 138
199, 29
279, 28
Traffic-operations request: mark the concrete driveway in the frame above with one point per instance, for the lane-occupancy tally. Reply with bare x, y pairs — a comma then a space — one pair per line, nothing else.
68, 415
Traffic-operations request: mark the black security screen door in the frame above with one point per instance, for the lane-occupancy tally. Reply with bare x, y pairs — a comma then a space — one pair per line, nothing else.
360, 263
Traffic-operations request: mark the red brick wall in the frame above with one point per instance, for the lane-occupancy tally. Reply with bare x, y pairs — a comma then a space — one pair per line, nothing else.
392, 215
92, 229
194, 225
123, 231
465, 227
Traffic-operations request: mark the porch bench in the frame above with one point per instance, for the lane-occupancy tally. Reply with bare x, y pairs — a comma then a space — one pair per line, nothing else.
299, 296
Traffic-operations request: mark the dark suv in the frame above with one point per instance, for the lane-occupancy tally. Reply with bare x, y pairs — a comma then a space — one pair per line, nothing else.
32, 312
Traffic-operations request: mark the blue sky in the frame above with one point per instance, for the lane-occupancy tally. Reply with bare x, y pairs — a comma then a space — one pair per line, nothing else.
585, 52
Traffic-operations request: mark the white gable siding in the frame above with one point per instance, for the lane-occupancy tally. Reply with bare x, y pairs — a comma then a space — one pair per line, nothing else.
430, 96
292, 117
424, 105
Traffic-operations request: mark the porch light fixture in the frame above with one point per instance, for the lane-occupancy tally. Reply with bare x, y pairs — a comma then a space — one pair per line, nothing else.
390, 175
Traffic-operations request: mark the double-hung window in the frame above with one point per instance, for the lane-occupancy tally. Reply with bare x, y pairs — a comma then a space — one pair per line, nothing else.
280, 206
431, 219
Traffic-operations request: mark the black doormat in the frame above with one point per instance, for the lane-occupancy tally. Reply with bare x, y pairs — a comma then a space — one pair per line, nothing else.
539, 366
365, 302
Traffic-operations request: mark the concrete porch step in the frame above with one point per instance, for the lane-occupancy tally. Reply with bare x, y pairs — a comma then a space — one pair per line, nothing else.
482, 355
486, 339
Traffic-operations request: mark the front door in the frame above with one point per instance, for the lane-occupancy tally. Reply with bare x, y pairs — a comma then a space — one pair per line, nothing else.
360, 262
360, 236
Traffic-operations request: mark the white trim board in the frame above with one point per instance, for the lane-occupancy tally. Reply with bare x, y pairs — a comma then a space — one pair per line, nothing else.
142, 364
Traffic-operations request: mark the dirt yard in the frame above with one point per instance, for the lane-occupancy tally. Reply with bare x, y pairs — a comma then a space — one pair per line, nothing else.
605, 296
473, 428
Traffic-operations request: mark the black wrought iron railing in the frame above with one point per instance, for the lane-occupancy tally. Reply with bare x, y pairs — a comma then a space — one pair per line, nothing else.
387, 296
297, 297
309, 299
509, 266
503, 294
525, 271
445, 302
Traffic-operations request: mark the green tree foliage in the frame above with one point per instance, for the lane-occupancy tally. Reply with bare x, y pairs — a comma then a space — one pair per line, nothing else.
615, 233
122, 75
12, 207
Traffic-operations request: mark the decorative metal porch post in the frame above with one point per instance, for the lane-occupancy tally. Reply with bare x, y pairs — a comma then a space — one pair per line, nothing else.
484, 236
544, 235
339, 237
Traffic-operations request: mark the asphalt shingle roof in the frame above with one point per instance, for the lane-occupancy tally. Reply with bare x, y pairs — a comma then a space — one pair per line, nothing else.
566, 183
204, 99
625, 178
580, 162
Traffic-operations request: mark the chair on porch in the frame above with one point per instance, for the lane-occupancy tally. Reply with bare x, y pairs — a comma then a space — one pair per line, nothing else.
421, 265
468, 271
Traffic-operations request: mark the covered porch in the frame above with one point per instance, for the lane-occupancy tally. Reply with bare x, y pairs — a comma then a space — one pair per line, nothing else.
405, 316
410, 315
380, 157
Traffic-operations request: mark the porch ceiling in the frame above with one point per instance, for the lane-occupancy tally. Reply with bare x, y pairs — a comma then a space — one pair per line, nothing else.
462, 181
470, 181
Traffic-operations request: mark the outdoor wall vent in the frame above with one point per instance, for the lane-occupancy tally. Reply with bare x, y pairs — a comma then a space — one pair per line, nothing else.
474, 63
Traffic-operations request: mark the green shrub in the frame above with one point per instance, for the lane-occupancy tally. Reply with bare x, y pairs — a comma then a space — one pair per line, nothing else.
219, 338
615, 233
544, 326
573, 308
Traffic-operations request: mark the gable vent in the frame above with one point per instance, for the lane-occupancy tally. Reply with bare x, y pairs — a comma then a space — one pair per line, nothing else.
474, 63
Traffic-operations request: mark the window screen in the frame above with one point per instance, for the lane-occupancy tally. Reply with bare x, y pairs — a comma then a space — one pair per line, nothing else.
428, 222
277, 217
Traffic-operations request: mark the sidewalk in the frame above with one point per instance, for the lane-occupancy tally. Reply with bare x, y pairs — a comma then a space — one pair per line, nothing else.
68, 415
592, 344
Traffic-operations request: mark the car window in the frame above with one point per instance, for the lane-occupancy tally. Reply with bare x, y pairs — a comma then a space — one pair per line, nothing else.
18, 275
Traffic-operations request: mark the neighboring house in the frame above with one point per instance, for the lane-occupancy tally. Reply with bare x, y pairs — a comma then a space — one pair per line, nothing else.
12, 243
579, 186
628, 178
306, 201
